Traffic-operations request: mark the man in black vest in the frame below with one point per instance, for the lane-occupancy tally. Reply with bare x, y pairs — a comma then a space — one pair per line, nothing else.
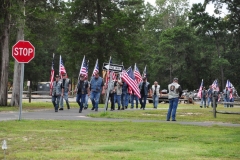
66, 86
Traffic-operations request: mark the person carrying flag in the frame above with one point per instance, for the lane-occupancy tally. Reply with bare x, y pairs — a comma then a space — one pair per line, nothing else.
56, 92
66, 86
124, 96
203, 97
82, 90
209, 96
226, 94
144, 90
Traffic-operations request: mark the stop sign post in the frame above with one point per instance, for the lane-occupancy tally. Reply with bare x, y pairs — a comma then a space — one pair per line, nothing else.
22, 52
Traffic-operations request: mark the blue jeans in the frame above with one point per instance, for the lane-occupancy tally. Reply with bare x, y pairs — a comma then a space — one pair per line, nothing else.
203, 101
209, 101
65, 96
226, 99
173, 104
124, 99
56, 104
134, 97
155, 101
231, 100
117, 98
80, 99
143, 101
95, 99
86, 101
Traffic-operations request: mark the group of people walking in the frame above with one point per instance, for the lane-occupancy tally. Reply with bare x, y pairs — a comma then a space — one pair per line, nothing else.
210, 93
119, 92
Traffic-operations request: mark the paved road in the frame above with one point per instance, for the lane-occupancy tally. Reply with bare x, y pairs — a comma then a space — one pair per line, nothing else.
72, 114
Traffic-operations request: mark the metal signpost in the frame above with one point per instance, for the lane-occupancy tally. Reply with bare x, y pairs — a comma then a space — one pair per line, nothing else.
22, 52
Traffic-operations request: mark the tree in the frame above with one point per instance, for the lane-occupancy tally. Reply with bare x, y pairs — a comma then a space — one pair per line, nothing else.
4, 41
215, 28
17, 66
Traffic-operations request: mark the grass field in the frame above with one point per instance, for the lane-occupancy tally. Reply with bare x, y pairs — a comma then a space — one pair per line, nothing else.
76, 140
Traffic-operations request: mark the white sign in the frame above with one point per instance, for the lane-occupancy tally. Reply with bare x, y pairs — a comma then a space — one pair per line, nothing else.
28, 83
4, 144
113, 67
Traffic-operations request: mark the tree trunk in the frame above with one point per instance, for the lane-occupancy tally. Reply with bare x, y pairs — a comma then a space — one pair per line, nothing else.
17, 66
221, 67
5, 61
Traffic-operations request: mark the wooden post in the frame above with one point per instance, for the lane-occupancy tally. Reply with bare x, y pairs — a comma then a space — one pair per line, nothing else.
30, 94
214, 105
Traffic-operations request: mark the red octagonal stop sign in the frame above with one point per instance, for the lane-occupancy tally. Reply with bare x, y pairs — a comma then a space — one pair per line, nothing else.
23, 51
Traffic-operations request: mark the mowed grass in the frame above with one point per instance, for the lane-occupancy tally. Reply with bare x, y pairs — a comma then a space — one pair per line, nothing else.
185, 112
80, 140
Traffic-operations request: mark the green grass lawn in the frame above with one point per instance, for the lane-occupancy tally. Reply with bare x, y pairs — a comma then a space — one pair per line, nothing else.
75, 140
185, 112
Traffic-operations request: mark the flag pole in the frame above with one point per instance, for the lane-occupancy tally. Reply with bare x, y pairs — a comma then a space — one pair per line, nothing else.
52, 73
95, 66
94, 69
60, 65
107, 96
81, 67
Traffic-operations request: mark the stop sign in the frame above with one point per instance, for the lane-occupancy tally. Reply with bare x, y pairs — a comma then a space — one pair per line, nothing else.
23, 51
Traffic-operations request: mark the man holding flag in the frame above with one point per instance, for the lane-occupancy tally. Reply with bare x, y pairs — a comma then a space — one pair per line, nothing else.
144, 90
82, 90
66, 86
215, 92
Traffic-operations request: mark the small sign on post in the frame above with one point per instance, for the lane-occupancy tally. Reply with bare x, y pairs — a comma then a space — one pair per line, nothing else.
22, 52
4, 147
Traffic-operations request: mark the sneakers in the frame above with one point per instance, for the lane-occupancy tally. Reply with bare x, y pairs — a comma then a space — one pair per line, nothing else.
80, 111
92, 109
60, 109
56, 110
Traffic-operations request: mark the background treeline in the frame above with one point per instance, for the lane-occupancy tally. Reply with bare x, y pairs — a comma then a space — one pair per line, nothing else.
171, 38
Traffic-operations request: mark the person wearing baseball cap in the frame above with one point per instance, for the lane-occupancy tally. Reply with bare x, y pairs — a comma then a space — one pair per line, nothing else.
66, 87
82, 90
56, 92
174, 93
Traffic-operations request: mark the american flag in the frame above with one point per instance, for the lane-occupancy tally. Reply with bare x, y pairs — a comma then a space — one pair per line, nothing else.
144, 75
52, 73
109, 73
62, 69
216, 88
130, 80
114, 77
83, 69
230, 86
215, 85
137, 74
87, 69
200, 90
96, 68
